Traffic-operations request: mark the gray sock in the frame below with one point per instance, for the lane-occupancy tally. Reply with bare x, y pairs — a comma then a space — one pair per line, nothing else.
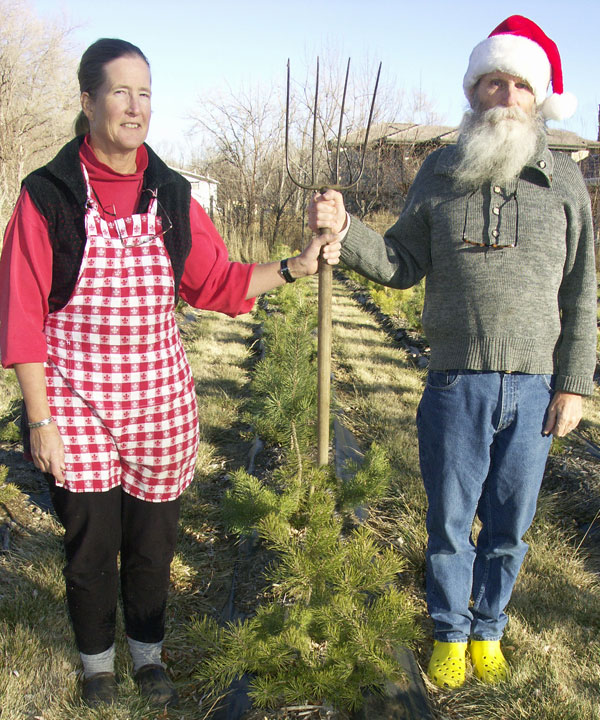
101, 662
144, 653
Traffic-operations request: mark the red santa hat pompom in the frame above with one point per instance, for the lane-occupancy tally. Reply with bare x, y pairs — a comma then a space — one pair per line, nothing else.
519, 47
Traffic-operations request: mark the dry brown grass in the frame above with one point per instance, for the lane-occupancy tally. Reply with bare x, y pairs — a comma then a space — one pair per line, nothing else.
253, 245
553, 635
40, 665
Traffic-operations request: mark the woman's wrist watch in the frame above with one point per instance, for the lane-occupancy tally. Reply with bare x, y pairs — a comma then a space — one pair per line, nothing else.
284, 271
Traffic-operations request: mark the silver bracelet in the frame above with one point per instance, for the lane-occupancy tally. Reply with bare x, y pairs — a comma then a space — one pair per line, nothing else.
40, 424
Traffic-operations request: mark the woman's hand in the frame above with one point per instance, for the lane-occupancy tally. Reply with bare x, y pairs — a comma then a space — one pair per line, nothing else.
48, 451
326, 210
307, 263
266, 276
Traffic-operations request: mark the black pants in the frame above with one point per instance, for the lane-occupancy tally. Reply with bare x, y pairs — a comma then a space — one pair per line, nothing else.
99, 525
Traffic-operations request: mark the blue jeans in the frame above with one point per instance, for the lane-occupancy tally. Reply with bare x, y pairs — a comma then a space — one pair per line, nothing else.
482, 452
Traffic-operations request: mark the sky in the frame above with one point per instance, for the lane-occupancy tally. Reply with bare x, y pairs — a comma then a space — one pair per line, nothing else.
197, 47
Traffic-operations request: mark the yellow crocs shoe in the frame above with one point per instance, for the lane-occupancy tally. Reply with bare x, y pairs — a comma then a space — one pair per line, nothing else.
447, 664
489, 664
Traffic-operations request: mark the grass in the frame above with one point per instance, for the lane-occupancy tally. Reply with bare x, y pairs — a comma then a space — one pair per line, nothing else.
40, 665
10, 404
553, 637
255, 243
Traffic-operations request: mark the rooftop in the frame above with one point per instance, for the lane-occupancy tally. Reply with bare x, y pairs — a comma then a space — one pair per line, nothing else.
414, 134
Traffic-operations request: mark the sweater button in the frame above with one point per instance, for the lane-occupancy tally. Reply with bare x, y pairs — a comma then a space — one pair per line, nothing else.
496, 211
542, 164
497, 189
495, 233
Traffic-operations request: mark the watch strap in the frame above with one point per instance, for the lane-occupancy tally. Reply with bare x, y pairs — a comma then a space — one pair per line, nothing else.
284, 271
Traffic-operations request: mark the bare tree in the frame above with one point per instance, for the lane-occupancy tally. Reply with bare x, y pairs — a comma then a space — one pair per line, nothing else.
241, 133
244, 143
38, 95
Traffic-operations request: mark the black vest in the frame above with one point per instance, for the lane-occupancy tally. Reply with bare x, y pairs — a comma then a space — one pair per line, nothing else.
58, 192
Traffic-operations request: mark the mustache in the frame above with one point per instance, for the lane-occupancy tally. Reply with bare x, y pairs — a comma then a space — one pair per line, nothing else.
496, 115
478, 117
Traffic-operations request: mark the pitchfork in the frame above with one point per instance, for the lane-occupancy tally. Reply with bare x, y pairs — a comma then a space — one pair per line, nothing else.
325, 270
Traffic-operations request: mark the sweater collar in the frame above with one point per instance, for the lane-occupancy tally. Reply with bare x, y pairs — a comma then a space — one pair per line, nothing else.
66, 162
542, 162
99, 171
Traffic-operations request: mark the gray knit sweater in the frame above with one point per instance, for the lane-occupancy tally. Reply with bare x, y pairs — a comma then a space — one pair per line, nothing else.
526, 306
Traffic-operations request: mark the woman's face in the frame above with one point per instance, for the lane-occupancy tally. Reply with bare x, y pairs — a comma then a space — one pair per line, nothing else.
119, 115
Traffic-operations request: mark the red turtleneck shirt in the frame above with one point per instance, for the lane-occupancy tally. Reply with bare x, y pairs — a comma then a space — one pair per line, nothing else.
210, 281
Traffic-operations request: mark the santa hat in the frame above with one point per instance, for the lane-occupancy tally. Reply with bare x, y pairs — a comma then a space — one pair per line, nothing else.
519, 47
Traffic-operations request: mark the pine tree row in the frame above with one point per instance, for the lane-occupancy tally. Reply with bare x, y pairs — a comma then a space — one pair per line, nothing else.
335, 608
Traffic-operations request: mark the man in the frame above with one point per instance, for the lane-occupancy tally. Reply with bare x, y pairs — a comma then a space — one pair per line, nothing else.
502, 230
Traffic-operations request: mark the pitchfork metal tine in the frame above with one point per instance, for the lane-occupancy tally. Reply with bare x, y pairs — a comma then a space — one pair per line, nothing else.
311, 185
336, 163
364, 152
314, 132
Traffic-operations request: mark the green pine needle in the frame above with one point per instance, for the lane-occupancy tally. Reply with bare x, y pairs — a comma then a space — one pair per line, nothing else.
336, 611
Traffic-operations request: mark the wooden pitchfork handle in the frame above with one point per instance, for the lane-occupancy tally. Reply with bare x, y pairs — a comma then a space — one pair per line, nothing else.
324, 357
325, 270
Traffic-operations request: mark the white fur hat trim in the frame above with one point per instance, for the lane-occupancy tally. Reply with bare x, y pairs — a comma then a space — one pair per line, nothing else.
511, 54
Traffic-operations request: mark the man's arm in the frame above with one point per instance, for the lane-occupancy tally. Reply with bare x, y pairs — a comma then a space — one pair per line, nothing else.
399, 258
577, 296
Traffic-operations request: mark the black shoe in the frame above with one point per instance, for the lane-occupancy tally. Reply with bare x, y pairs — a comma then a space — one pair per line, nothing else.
99, 688
156, 686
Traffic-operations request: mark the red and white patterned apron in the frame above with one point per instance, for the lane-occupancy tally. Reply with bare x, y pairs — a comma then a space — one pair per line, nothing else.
119, 384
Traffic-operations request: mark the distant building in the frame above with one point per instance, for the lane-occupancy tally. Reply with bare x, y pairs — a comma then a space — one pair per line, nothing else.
204, 189
590, 167
396, 151
423, 139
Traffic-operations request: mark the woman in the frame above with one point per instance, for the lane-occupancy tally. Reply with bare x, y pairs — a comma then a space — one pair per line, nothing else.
101, 243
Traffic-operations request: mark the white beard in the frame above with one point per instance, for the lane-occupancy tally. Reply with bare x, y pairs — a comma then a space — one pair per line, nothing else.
496, 144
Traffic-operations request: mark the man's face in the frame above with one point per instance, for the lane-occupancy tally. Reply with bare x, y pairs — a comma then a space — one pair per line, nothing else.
502, 133
499, 89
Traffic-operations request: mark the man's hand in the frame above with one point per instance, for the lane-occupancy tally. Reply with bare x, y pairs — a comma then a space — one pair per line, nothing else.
564, 413
327, 210
47, 450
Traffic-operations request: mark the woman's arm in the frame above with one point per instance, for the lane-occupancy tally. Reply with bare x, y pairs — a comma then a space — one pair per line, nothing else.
212, 282
265, 277
25, 282
47, 449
